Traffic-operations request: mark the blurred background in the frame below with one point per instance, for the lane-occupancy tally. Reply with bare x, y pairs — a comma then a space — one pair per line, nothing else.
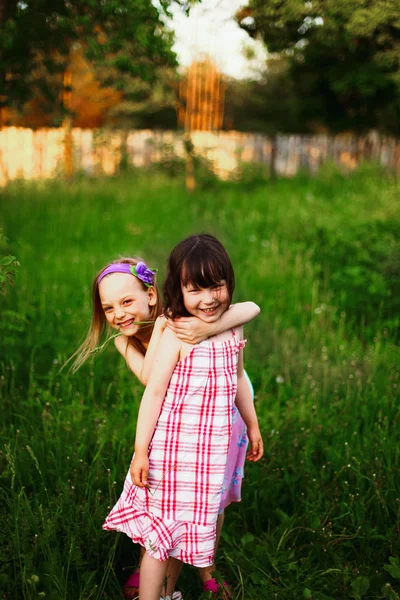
241, 79
126, 125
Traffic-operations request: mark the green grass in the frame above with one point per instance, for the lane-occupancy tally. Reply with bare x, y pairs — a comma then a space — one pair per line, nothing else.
320, 515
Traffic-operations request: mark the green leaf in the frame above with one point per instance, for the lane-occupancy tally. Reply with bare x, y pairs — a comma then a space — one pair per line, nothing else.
227, 537
393, 568
360, 587
247, 538
257, 578
7, 260
282, 515
307, 593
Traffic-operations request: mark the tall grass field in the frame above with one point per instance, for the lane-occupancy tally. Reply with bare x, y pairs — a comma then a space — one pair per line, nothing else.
320, 514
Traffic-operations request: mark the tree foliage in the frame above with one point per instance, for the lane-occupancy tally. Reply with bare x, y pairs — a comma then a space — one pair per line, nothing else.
128, 36
147, 105
344, 56
268, 104
96, 99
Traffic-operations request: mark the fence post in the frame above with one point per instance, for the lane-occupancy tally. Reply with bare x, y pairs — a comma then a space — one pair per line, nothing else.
272, 164
188, 145
67, 123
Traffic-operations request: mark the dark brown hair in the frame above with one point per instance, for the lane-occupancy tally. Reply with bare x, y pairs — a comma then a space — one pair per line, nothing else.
200, 260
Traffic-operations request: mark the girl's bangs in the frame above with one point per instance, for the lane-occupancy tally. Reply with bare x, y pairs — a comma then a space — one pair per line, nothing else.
203, 272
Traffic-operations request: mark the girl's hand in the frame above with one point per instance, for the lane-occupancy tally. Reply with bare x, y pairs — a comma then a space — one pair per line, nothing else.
161, 322
121, 342
139, 469
256, 444
191, 329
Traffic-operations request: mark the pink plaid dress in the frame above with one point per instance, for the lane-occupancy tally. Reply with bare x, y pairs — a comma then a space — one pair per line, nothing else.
176, 515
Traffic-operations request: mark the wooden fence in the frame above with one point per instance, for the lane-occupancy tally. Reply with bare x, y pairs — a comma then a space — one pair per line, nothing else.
29, 154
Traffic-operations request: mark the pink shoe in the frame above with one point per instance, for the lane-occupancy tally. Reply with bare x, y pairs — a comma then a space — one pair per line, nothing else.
212, 585
131, 586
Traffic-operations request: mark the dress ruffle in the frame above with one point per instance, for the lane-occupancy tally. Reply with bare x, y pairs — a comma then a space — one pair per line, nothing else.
191, 543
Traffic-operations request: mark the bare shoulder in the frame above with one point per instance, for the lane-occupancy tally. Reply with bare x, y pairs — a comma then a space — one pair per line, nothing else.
168, 351
169, 337
121, 343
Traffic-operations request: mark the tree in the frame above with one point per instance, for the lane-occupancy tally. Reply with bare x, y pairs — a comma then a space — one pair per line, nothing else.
268, 104
35, 37
147, 105
344, 56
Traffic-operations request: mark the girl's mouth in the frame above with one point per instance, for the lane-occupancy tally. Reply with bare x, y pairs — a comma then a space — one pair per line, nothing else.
209, 311
126, 324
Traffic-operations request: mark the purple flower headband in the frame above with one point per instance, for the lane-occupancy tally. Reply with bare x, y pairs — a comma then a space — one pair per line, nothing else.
140, 270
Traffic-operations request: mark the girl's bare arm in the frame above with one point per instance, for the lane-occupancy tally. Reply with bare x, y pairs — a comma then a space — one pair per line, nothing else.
165, 360
245, 405
193, 330
139, 364
159, 326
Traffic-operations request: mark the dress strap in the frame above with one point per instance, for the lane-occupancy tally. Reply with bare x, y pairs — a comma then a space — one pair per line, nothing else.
238, 343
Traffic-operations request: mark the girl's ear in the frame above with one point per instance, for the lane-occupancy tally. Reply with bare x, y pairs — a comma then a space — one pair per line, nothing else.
152, 296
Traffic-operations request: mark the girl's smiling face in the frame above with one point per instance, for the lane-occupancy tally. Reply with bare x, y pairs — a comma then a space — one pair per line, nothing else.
208, 303
124, 302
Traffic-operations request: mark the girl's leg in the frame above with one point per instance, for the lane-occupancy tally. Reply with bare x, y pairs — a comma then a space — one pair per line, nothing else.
173, 571
131, 587
174, 568
206, 572
152, 575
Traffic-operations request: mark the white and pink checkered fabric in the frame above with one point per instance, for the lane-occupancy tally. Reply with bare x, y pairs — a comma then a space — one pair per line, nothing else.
177, 515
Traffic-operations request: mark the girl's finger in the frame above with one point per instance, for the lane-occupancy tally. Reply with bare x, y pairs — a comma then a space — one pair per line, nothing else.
140, 479
144, 477
256, 452
136, 476
180, 331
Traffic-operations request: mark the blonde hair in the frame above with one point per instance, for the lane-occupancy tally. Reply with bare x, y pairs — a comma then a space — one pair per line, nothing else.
99, 323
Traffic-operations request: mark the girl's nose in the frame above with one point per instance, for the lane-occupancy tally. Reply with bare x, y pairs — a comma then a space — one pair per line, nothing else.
208, 297
119, 312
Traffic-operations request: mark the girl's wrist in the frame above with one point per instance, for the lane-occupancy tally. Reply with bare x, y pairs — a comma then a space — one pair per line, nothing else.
253, 426
213, 329
161, 322
141, 450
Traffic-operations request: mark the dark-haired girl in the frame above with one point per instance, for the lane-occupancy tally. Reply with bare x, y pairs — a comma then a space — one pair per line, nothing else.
172, 492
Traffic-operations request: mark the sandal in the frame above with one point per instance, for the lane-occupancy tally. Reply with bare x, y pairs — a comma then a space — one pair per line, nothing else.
212, 585
131, 586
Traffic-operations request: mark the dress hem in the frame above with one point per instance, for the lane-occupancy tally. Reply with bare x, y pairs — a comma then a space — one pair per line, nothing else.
174, 553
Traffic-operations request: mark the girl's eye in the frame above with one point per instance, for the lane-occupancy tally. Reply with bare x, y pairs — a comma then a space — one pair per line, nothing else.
217, 286
128, 301
107, 309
